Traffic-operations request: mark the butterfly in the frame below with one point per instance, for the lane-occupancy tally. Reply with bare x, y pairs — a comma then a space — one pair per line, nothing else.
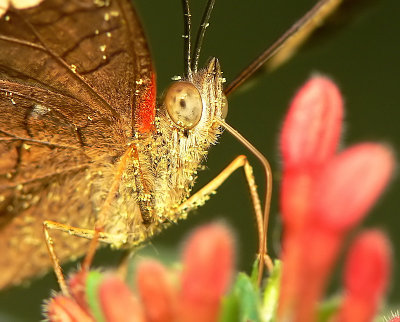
82, 145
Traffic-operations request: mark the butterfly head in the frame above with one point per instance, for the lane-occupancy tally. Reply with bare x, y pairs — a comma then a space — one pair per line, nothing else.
192, 105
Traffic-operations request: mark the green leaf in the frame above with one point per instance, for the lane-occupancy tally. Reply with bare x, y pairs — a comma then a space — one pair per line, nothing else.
248, 299
93, 281
254, 273
271, 293
242, 304
229, 309
328, 309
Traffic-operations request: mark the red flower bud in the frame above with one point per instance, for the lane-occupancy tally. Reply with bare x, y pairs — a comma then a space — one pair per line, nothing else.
349, 185
309, 139
157, 295
312, 126
366, 275
207, 271
117, 302
323, 195
65, 309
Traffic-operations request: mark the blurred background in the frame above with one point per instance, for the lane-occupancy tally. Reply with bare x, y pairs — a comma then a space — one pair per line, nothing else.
362, 57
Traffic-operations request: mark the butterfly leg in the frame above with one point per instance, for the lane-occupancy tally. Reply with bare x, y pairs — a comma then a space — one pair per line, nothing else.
54, 259
95, 235
198, 198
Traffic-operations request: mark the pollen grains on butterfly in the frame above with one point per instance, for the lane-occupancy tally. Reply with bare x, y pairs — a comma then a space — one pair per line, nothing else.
39, 110
160, 167
102, 3
179, 151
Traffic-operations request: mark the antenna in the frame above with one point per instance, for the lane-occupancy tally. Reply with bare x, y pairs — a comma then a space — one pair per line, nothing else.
187, 23
201, 32
290, 40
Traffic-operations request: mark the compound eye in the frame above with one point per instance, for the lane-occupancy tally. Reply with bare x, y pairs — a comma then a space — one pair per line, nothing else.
184, 104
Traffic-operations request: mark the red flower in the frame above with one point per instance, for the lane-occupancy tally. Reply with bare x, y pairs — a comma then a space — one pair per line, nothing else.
205, 278
323, 194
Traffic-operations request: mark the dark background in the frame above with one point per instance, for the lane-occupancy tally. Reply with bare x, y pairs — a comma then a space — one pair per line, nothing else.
362, 57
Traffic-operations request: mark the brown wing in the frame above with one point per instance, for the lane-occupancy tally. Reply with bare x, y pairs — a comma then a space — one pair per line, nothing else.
69, 71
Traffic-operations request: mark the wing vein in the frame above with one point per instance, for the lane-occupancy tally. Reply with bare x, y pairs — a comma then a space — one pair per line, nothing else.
103, 63
78, 42
68, 68
13, 137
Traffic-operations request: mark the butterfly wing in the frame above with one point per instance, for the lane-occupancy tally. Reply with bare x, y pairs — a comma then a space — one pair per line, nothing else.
72, 74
